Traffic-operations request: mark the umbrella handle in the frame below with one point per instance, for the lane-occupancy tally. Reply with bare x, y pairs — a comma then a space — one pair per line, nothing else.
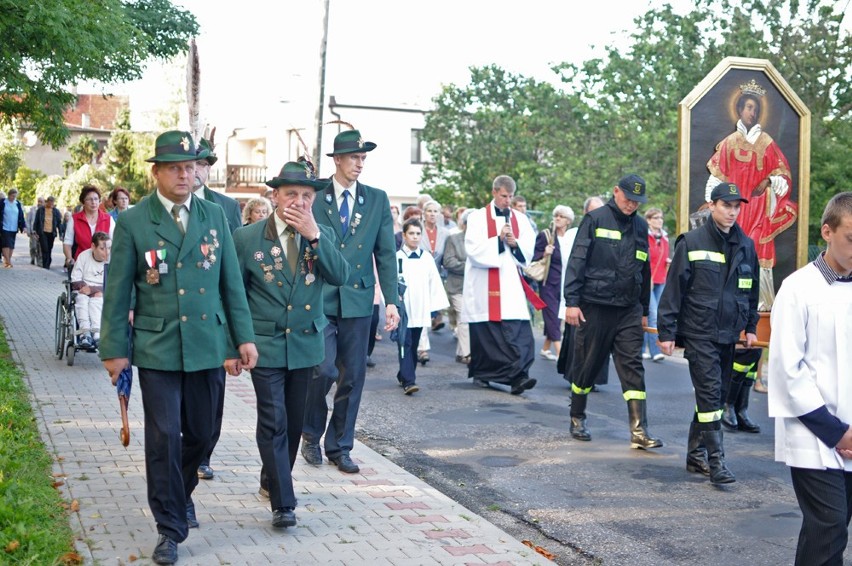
125, 424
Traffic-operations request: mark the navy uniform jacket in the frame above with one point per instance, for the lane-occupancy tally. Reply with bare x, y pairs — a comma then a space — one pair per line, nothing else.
370, 232
287, 312
609, 261
710, 294
183, 322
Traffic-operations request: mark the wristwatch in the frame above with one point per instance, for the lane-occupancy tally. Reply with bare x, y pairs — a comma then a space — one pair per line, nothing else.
316, 239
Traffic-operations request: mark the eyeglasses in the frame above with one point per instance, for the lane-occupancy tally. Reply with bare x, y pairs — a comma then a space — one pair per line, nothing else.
92, 199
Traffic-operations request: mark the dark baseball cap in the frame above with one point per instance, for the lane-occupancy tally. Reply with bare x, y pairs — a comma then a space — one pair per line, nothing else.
727, 192
633, 187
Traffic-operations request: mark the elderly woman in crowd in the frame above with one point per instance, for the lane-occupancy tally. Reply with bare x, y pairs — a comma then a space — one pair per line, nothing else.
256, 209
554, 242
453, 262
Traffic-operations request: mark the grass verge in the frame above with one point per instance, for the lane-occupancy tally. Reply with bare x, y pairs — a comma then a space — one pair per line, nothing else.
34, 525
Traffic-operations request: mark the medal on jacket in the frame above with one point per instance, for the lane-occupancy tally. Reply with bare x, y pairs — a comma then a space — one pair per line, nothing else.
205, 249
152, 276
309, 262
164, 267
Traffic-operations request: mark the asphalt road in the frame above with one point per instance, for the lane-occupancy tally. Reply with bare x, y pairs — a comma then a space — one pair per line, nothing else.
511, 459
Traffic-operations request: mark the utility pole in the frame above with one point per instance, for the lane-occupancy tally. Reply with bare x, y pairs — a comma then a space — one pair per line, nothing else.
321, 107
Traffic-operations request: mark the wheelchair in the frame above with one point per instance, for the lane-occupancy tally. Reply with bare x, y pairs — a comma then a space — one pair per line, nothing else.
65, 337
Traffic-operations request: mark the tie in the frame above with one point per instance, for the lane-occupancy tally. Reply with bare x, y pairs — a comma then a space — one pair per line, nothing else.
414, 256
292, 251
176, 215
344, 213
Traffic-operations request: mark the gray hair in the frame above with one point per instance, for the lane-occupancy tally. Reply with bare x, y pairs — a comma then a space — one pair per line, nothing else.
430, 203
588, 202
564, 210
504, 182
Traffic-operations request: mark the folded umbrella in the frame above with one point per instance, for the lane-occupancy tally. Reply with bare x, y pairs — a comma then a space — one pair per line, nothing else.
123, 386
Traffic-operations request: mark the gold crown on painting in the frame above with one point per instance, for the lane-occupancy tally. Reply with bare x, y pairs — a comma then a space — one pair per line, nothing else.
752, 87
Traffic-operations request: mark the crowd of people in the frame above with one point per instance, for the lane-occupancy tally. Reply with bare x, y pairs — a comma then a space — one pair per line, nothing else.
291, 288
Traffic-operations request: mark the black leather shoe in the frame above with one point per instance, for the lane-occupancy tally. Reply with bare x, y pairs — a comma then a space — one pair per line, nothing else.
523, 385
263, 491
481, 383
370, 362
578, 429
165, 552
191, 520
205, 472
311, 453
345, 464
283, 518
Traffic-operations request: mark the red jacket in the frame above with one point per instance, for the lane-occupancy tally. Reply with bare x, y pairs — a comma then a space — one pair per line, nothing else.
83, 233
658, 249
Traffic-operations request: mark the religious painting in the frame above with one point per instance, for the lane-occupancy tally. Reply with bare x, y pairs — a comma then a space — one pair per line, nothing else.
743, 124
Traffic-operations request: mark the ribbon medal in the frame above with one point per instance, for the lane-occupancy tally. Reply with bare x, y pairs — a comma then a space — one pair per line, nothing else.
152, 276
164, 267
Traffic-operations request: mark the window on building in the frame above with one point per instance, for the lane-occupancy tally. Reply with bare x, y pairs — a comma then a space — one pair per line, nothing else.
419, 154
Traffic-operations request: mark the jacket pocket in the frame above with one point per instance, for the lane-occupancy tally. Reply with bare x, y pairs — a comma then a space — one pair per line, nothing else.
263, 327
319, 324
150, 323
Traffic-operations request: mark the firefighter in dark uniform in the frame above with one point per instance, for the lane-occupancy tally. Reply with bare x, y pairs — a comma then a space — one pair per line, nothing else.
607, 292
710, 298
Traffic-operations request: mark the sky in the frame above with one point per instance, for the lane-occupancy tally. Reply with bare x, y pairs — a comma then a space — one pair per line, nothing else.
262, 59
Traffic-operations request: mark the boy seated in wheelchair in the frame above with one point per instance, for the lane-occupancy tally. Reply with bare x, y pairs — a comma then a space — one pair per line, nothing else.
87, 279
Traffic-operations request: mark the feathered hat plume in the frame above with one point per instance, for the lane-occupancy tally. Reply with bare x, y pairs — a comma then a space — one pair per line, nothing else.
193, 91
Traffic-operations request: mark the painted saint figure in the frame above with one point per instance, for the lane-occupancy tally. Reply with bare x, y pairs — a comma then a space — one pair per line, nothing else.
753, 161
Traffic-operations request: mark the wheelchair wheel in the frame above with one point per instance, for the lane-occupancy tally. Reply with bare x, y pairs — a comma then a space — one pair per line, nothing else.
59, 330
69, 354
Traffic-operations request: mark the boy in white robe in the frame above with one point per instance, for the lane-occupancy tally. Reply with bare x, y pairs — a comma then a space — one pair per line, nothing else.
810, 392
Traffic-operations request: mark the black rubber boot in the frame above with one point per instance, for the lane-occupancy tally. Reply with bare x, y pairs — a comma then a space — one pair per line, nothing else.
696, 452
729, 412
639, 436
719, 472
578, 417
743, 422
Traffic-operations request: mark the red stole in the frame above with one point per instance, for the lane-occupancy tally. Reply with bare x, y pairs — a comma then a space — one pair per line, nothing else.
494, 313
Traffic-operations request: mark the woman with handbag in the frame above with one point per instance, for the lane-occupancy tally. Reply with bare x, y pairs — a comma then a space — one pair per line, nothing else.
552, 248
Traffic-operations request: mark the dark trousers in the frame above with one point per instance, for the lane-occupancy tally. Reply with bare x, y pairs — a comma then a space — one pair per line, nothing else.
374, 327
218, 411
825, 498
566, 358
407, 354
609, 330
45, 242
178, 425
345, 364
281, 395
710, 366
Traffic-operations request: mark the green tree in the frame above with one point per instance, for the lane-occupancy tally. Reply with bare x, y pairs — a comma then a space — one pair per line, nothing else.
26, 180
51, 45
84, 151
11, 156
125, 158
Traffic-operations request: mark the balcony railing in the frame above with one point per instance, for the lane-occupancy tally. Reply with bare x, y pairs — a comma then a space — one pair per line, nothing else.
250, 175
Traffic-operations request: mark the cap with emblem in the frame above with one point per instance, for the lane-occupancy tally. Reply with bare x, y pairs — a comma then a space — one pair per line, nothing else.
727, 192
173, 146
350, 141
297, 173
633, 187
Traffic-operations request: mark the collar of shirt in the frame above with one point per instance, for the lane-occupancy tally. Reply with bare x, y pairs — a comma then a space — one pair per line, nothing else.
199, 192
830, 275
167, 204
750, 135
408, 251
280, 227
339, 188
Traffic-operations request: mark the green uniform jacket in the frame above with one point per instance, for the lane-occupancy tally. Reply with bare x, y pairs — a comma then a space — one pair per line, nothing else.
229, 205
286, 311
180, 323
370, 232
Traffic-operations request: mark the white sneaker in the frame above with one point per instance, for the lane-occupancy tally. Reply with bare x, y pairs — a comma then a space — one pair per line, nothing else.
548, 355
646, 356
659, 357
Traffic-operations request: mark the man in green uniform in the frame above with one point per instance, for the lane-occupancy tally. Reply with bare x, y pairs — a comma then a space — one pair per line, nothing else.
175, 252
286, 262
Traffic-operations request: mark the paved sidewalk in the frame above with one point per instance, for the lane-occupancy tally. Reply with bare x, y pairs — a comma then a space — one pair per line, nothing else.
382, 516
